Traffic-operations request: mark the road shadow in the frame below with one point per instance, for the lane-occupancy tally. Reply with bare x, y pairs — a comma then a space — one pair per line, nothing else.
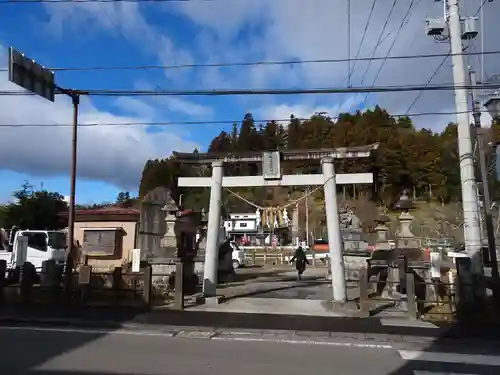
256, 293
54, 345
98, 321
474, 354
255, 273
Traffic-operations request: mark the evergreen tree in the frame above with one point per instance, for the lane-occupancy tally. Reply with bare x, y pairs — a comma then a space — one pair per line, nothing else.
424, 162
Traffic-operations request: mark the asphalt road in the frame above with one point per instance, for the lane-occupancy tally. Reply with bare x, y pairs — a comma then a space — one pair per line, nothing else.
52, 351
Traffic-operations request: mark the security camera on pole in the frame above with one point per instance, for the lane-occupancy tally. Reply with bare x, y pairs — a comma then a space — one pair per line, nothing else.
456, 32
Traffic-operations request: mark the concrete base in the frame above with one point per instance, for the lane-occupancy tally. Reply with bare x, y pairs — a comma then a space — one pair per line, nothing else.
349, 308
274, 306
210, 301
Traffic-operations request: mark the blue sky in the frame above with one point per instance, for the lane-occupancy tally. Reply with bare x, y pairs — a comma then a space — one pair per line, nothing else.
124, 34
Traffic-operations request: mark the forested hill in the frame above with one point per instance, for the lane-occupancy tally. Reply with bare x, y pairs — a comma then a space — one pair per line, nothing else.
422, 161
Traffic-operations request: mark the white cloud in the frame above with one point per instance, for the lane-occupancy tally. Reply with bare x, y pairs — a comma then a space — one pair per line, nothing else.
283, 111
177, 104
302, 30
250, 30
108, 153
187, 107
125, 20
134, 107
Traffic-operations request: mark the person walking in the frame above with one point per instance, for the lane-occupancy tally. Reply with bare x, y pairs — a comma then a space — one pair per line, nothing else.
300, 259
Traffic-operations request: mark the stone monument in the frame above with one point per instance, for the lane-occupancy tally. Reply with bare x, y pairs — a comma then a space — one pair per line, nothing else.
354, 244
351, 231
177, 243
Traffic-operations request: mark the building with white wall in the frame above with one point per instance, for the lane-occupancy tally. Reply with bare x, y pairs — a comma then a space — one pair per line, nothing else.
242, 223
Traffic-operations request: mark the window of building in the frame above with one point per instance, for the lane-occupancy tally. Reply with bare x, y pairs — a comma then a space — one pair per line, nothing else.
101, 242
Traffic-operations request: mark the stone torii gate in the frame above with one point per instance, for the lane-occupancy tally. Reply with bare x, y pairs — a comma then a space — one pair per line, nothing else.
271, 167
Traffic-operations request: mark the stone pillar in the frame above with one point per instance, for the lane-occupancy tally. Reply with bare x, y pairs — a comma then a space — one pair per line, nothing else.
335, 243
213, 230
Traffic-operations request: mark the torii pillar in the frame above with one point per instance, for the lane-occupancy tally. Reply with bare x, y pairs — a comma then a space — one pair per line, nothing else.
213, 231
335, 243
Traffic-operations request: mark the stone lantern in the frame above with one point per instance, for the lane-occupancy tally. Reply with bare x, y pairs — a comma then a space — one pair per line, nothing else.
405, 237
169, 240
381, 229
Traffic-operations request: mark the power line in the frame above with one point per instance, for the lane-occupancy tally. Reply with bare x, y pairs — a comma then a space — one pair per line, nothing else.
127, 40
379, 39
351, 71
377, 44
95, 1
211, 122
481, 7
403, 23
291, 91
264, 63
349, 42
427, 84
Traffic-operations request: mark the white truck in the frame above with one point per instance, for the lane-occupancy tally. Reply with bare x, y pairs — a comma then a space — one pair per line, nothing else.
35, 246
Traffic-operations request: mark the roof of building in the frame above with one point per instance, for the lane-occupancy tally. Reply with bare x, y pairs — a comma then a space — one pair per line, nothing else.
108, 211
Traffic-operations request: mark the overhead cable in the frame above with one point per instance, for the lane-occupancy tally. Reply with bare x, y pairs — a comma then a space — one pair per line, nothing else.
200, 122
291, 91
256, 63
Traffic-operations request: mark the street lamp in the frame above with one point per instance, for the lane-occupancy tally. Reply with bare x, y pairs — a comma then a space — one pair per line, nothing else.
493, 105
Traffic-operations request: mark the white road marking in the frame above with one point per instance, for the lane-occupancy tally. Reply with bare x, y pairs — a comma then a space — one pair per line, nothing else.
92, 331
195, 334
407, 323
302, 342
470, 359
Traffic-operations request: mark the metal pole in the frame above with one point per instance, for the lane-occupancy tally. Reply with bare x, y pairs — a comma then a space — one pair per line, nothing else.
488, 217
472, 231
75, 97
335, 243
307, 216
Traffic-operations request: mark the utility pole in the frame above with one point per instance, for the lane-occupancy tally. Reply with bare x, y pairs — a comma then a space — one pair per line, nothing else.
472, 232
488, 217
75, 98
